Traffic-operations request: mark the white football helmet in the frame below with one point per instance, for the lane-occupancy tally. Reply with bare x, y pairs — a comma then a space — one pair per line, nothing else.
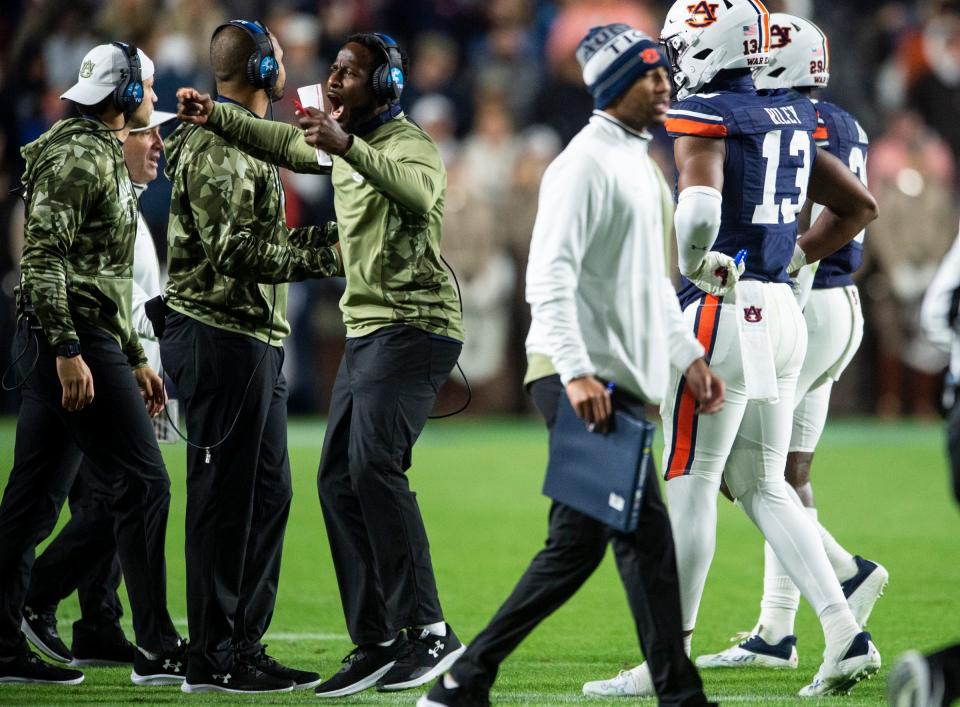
706, 37
799, 55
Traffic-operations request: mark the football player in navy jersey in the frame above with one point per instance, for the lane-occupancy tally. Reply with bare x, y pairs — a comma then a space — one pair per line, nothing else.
800, 59
746, 161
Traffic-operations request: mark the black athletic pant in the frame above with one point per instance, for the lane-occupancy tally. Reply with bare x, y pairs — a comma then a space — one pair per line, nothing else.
115, 433
238, 501
382, 396
575, 547
953, 445
83, 556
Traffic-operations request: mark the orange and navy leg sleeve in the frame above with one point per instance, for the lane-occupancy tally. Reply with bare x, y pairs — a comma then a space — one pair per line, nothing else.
685, 417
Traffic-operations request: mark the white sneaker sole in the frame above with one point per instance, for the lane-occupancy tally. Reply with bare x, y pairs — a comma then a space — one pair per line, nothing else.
862, 601
204, 687
426, 702
603, 688
40, 645
308, 685
753, 660
157, 680
437, 670
9, 680
360, 685
97, 663
841, 685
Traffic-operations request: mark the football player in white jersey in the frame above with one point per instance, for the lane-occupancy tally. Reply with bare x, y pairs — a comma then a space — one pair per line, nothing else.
800, 60
745, 161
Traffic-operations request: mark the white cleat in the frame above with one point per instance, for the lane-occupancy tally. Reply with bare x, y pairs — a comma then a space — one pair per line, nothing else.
864, 588
754, 653
628, 683
838, 675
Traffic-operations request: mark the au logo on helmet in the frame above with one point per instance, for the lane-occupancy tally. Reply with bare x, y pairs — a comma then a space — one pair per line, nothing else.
702, 14
780, 36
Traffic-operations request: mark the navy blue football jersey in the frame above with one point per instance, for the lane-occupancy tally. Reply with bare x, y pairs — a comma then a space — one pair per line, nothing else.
841, 135
769, 155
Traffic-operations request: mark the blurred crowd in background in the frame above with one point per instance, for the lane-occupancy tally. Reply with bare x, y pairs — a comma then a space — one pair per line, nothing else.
496, 83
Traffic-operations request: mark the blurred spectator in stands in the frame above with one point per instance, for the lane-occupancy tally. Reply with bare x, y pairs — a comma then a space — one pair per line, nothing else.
563, 103
490, 150
507, 54
434, 70
436, 114
474, 246
936, 93
538, 146
911, 173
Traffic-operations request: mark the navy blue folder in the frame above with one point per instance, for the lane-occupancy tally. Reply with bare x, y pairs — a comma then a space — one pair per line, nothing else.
600, 475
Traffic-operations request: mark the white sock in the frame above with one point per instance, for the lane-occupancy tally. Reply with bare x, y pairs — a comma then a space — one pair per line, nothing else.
687, 643
388, 643
794, 539
693, 519
450, 682
781, 598
842, 561
839, 628
148, 654
437, 629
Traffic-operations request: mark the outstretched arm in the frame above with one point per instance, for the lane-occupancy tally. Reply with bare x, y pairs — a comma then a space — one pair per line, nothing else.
277, 143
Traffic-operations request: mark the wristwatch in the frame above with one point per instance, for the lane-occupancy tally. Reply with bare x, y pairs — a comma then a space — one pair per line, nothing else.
68, 349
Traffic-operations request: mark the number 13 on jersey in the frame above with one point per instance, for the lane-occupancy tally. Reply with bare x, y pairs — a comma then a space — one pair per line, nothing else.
777, 204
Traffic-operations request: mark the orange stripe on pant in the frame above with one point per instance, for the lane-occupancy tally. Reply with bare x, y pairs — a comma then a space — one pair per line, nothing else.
685, 411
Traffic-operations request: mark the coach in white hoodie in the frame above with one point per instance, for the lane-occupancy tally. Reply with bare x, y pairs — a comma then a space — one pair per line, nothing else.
605, 318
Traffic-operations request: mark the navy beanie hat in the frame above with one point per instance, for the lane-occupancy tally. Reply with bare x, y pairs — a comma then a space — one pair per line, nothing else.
613, 57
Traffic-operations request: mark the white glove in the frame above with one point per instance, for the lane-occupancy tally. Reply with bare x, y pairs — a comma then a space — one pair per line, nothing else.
717, 274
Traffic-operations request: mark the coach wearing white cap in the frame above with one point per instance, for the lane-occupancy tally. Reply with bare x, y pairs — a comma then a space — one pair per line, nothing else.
83, 556
85, 377
603, 310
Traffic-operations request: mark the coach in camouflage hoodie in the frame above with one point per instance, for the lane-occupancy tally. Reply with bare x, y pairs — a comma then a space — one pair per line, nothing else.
404, 336
230, 257
88, 368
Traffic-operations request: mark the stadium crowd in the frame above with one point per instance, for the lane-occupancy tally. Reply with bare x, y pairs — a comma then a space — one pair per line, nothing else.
497, 85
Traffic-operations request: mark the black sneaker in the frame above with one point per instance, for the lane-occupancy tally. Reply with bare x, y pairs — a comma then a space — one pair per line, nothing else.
461, 696
102, 646
301, 679
241, 678
362, 668
27, 667
166, 669
425, 657
41, 629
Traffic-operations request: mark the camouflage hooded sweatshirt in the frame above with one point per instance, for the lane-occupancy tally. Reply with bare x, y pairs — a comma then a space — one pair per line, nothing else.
79, 235
388, 195
230, 251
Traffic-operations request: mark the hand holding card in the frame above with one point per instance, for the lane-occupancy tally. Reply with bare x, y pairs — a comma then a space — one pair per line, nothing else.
312, 97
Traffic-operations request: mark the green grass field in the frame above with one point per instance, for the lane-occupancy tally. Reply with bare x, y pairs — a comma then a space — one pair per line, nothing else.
881, 488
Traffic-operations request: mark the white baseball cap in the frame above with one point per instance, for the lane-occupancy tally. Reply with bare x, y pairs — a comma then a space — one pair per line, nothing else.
103, 69
157, 118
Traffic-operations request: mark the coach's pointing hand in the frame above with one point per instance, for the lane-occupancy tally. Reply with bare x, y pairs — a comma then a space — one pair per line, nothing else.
323, 132
193, 106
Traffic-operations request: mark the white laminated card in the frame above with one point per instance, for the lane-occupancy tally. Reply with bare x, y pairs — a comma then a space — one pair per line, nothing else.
312, 97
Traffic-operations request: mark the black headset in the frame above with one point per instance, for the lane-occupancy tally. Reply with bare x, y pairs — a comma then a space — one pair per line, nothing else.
387, 79
262, 67
128, 95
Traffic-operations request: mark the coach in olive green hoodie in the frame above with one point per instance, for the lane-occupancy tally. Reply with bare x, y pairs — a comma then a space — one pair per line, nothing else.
404, 336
